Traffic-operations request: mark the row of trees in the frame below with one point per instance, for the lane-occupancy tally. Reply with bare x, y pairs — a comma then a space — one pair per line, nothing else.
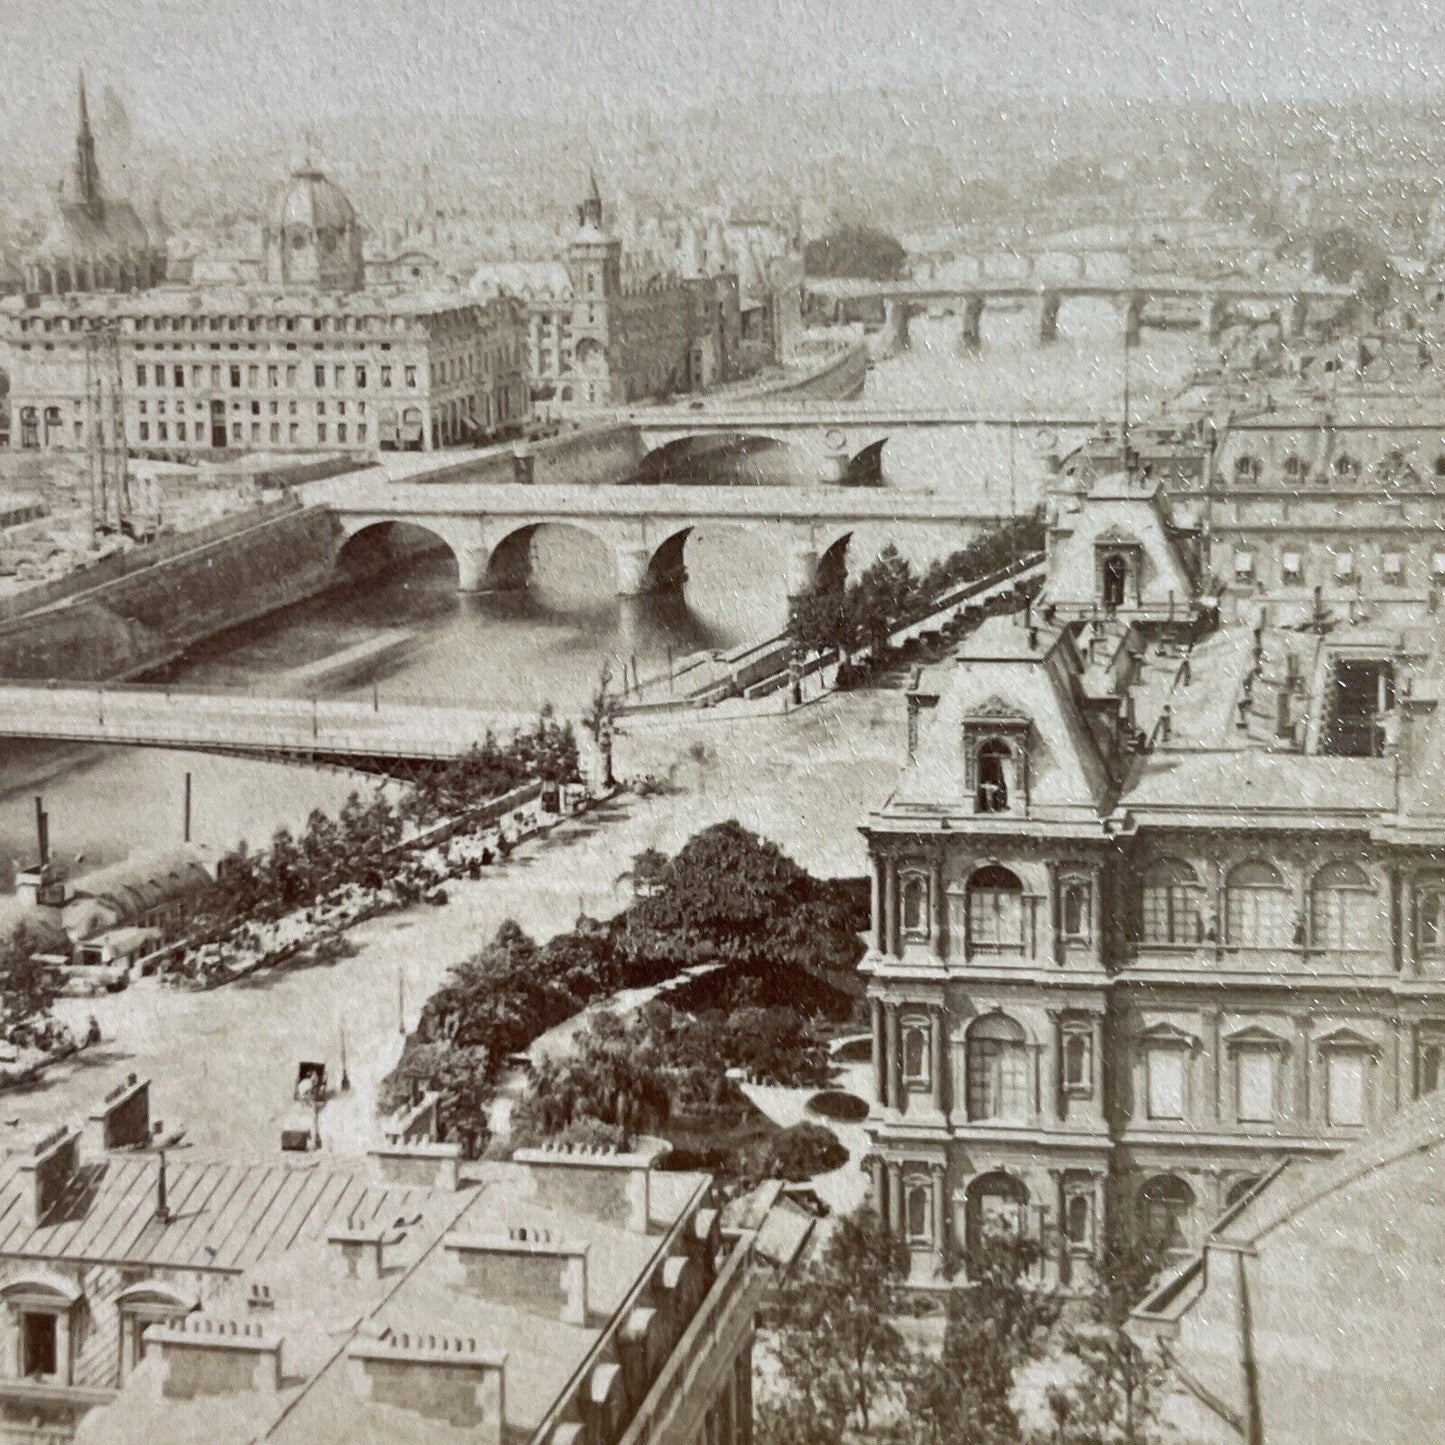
546, 752
890, 592
844, 1367
355, 847
729, 899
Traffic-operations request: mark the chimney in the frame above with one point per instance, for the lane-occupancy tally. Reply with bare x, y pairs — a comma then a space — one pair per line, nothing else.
123, 1120
439, 1377
602, 1184
42, 831
363, 1249
419, 1163
45, 1172
527, 1268
204, 1357
163, 1208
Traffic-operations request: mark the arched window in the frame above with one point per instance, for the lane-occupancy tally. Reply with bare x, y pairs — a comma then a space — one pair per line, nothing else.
1247, 468
1166, 1208
1343, 908
1078, 1212
998, 1069
995, 910
1294, 468
1078, 1063
1346, 467
991, 793
915, 905
1115, 581
918, 1210
997, 1205
1440, 465
1257, 907
1076, 910
1170, 904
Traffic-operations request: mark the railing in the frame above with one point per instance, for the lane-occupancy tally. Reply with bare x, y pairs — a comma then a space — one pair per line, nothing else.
736, 1291
266, 724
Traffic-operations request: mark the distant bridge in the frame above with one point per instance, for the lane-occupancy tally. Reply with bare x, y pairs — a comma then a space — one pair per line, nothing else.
842, 435
395, 739
1216, 302
489, 527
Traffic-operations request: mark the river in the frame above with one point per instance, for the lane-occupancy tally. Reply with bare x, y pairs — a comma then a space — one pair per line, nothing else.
548, 643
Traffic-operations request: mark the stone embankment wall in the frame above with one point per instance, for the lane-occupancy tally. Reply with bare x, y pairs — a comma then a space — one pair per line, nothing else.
174, 597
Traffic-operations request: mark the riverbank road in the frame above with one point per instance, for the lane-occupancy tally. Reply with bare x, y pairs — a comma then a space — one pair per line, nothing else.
223, 1063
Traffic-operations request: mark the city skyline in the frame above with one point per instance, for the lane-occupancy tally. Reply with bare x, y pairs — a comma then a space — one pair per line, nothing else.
575, 64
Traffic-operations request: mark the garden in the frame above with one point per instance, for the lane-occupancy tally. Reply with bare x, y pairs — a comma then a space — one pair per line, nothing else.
761, 938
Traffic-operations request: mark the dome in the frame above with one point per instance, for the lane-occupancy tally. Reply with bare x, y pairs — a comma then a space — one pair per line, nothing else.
313, 200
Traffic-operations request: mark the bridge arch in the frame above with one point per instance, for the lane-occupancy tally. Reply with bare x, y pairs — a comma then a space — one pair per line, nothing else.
505, 557
370, 545
724, 458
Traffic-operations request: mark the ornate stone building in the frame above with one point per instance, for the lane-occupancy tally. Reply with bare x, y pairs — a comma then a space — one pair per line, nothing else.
306, 361
93, 243
611, 327
1157, 904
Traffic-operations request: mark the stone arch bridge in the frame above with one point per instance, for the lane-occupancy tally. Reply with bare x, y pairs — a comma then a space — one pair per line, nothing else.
489, 527
1214, 304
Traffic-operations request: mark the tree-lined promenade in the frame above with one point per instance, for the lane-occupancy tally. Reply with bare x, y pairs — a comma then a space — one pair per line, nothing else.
223, 1062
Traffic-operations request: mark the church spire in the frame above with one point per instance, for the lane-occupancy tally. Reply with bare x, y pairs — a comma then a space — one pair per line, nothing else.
87, 173
589, 213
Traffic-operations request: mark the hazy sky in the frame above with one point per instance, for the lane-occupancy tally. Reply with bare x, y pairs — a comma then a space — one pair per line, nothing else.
208, 69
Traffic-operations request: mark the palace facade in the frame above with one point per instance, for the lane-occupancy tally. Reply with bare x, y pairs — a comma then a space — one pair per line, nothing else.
1157, 902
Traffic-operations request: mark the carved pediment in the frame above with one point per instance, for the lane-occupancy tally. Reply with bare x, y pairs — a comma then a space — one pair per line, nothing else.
994, 711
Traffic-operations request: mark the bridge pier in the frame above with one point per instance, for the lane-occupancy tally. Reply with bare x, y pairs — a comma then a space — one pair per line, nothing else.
1295, 317
835, 465
471, 570
802, 570
896, 315
1134, 319
1215, 317
1049, 304
634, 573
970, 335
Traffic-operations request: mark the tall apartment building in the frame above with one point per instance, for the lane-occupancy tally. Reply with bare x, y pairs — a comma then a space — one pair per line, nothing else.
256, 369
559, 1298
1157, 902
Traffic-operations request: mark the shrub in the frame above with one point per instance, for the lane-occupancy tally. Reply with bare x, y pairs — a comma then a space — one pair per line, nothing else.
802, 1151
840, 1105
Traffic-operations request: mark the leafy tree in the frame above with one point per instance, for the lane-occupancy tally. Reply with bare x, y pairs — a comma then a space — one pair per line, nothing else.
648, 872
613, 1078
28, 989
886, 590
839, 1353
1343, 255
464, 1080
734, 898
855, 251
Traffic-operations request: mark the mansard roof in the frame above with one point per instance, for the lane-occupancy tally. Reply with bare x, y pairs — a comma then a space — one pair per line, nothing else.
1007, 671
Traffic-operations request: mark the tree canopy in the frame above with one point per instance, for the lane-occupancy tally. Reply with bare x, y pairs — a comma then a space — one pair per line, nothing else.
858, 251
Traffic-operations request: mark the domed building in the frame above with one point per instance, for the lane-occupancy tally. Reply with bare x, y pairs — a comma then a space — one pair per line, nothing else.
316, 240
92, 244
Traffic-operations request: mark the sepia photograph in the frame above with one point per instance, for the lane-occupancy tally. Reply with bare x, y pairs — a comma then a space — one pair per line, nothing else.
719, 723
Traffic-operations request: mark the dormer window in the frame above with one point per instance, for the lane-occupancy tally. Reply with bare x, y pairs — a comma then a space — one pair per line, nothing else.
991, 789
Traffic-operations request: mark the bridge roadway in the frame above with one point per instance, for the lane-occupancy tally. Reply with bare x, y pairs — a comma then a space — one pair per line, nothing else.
489, 526
394, 738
